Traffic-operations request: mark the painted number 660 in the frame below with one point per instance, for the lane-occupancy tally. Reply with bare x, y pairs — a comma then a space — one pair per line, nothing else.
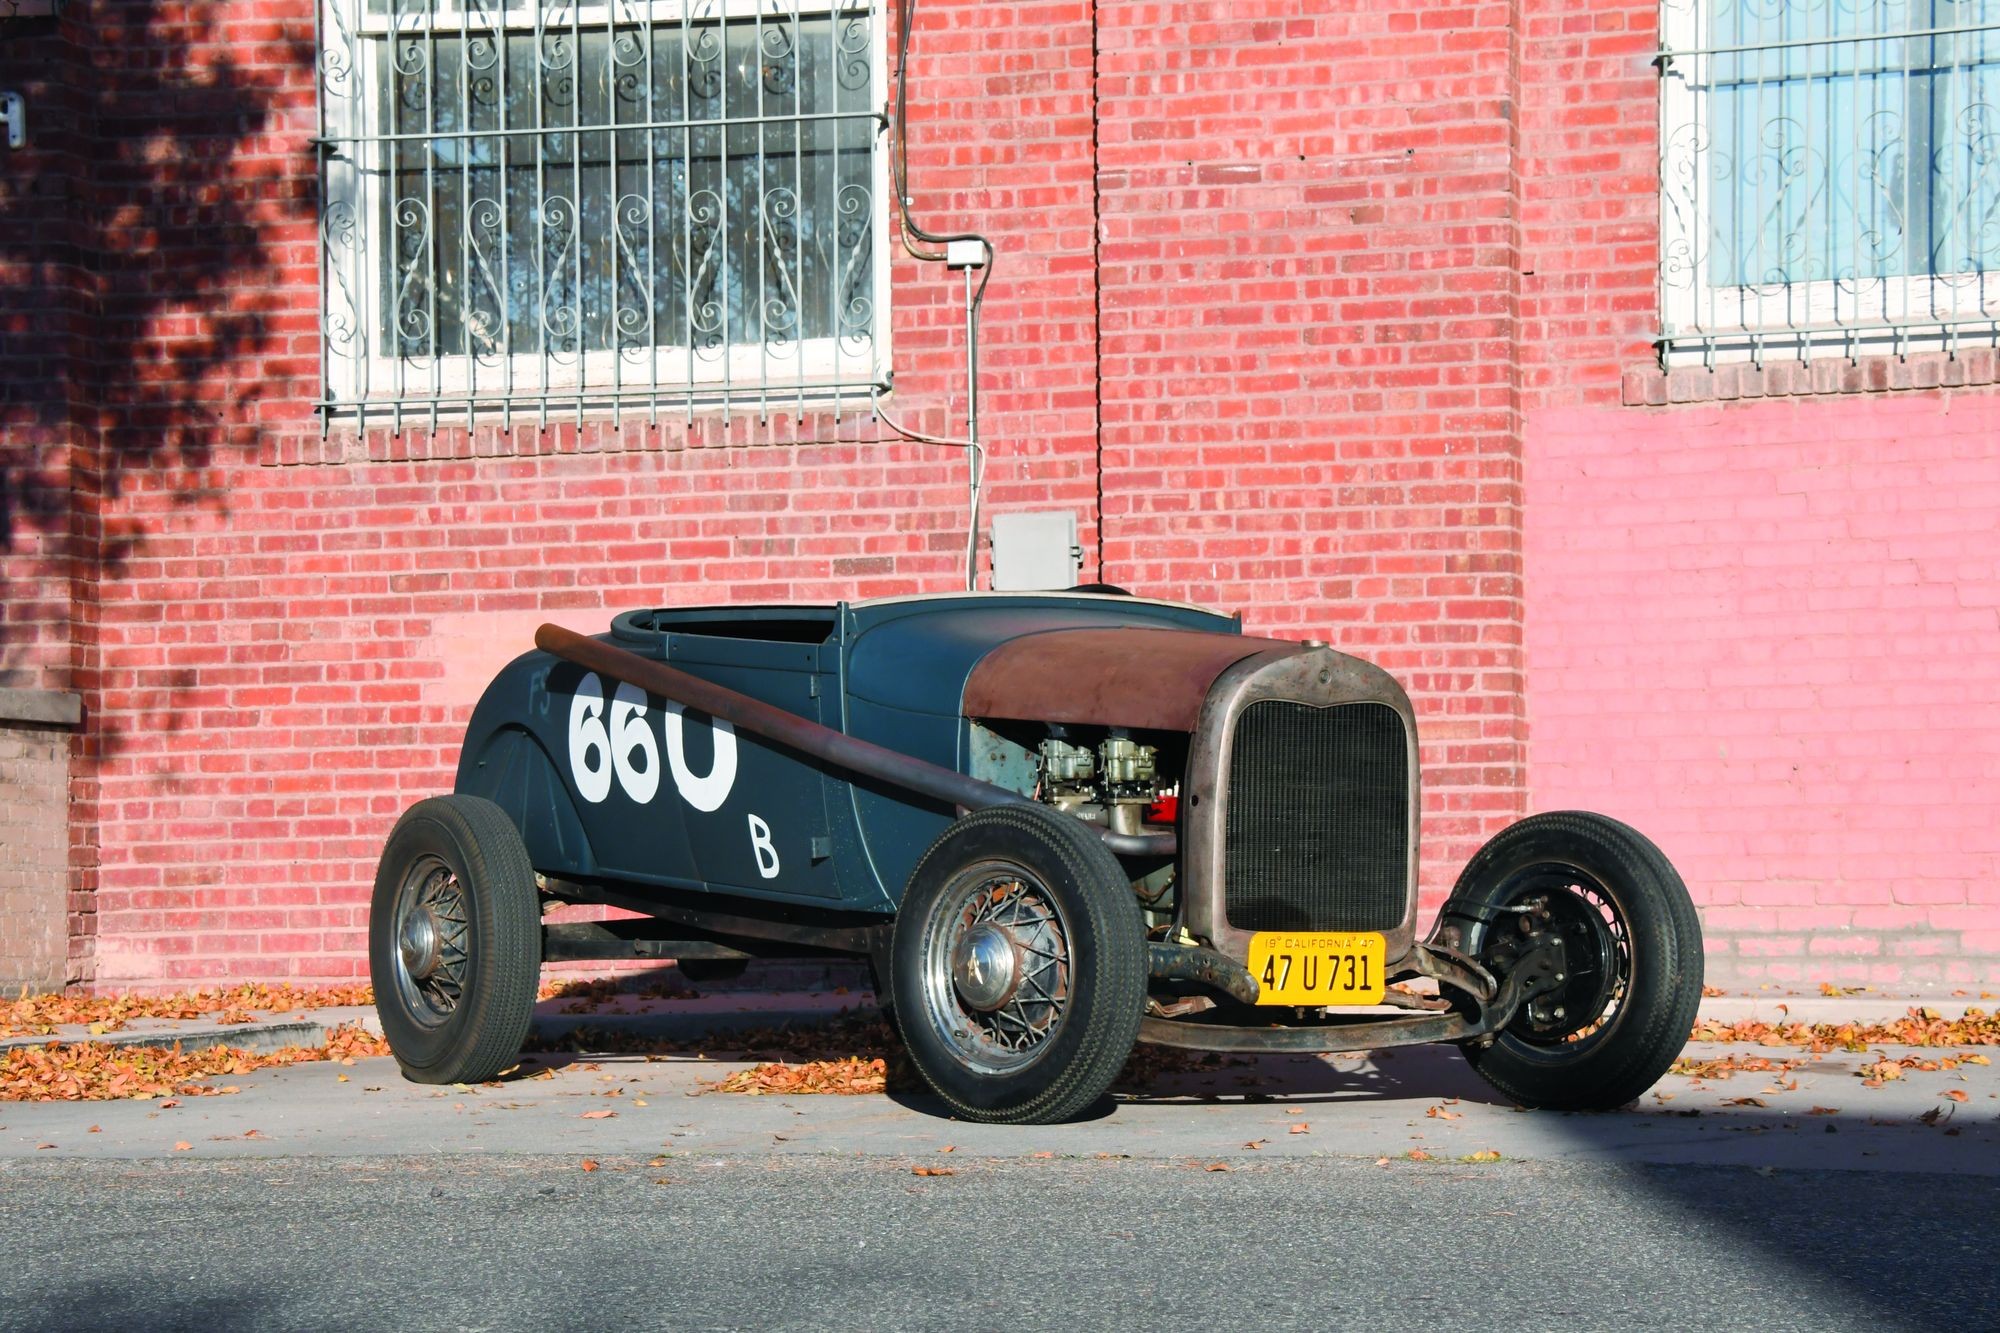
625, 749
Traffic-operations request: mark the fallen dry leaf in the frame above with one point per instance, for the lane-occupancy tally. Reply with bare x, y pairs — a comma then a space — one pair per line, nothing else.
40, 1015
1300, 1129
1956, 1095
1483, 1155
589, 1165
1917, 1027
949, 1147
85, 1071
1417, 1155
1256, 1144
1746, 1101
1216, 1166
933, 1171
600, 1115
183, 1146
1824, 1110
1439, 1113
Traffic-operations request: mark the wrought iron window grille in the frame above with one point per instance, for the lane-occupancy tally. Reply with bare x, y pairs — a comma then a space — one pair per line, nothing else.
1829, 178
544, 206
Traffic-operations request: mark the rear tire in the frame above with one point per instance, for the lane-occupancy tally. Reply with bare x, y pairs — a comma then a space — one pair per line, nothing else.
1633, 959
1018, 966
455, 941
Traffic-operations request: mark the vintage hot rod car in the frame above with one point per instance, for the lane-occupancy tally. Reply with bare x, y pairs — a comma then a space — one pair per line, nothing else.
1054, 823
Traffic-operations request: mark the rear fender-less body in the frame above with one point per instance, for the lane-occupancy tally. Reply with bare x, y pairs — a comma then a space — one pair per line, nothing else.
610, 784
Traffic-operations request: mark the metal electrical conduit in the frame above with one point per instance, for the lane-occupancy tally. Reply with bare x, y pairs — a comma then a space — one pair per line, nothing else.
850, 753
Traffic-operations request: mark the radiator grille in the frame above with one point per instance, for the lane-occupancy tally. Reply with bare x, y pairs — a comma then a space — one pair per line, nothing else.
1317, 836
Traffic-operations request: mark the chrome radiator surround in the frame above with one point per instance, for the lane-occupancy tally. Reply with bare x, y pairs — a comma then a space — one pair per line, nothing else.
1319, 678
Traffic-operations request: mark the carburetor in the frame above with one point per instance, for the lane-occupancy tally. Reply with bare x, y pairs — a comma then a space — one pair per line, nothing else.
1110, 785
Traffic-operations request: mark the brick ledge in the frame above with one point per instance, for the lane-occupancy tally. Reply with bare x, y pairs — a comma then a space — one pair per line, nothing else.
1650, 386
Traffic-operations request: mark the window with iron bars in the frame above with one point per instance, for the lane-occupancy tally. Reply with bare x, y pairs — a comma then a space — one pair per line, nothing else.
552, 205
1829, 177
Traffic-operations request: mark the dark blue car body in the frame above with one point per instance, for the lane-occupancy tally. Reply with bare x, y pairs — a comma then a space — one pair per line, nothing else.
634, 791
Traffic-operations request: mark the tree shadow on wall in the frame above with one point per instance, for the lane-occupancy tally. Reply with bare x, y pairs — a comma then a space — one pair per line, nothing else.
140, 231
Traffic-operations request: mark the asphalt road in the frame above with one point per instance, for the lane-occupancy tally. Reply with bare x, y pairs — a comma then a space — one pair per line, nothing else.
830, 1241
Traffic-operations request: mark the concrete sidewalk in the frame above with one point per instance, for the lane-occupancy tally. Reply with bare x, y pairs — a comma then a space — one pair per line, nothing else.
1768, 1107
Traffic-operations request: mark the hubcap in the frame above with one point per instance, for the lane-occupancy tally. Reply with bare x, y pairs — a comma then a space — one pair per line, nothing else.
988, 968
419, 944
996, 967
433, 960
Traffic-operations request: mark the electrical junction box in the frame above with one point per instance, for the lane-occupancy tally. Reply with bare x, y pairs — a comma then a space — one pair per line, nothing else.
1035, 552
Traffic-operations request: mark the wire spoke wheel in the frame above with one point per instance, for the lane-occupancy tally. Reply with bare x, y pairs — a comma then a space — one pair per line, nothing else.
1631, 971
1018, 966
1597, 941
431, 953
454, 940
997, 968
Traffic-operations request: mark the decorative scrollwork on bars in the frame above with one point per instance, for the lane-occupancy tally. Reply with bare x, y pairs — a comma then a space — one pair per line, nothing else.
1829, 164
552, 200
339, 56
410, 311
633, 233
340, 240
486, 328
780, 235
562, 321
704, 281
856, 68
855, 317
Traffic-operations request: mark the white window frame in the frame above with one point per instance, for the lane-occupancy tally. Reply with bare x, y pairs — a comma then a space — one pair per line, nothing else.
804, 373
1704, 322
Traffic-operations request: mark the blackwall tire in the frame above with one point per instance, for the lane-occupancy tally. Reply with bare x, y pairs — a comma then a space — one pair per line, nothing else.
455, 941
1631, 916
1018, 966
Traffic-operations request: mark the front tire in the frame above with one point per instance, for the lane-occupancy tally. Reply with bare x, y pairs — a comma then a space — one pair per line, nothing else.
455, 941
1018, 966
1633, 951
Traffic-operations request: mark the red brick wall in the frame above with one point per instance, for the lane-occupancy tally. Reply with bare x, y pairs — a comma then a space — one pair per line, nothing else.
295, 629
1308, 285
1368, 286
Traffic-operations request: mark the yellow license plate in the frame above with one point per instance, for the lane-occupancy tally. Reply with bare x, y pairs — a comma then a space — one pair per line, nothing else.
1316, 968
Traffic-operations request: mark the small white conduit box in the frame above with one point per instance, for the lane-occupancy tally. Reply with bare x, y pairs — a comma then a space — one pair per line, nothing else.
1035, 552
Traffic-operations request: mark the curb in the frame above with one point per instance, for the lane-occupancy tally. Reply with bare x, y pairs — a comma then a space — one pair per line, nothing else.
751, 1011
244, 1036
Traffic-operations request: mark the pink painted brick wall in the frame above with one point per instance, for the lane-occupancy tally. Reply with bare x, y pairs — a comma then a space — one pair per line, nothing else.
1768, 634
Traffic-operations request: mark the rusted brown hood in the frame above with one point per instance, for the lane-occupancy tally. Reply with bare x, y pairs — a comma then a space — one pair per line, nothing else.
1153, 679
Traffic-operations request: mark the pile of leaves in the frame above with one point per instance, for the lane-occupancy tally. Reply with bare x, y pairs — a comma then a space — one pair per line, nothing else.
40, 1015
1918, 1027
87, 1071
849, 1077
1730, 1065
